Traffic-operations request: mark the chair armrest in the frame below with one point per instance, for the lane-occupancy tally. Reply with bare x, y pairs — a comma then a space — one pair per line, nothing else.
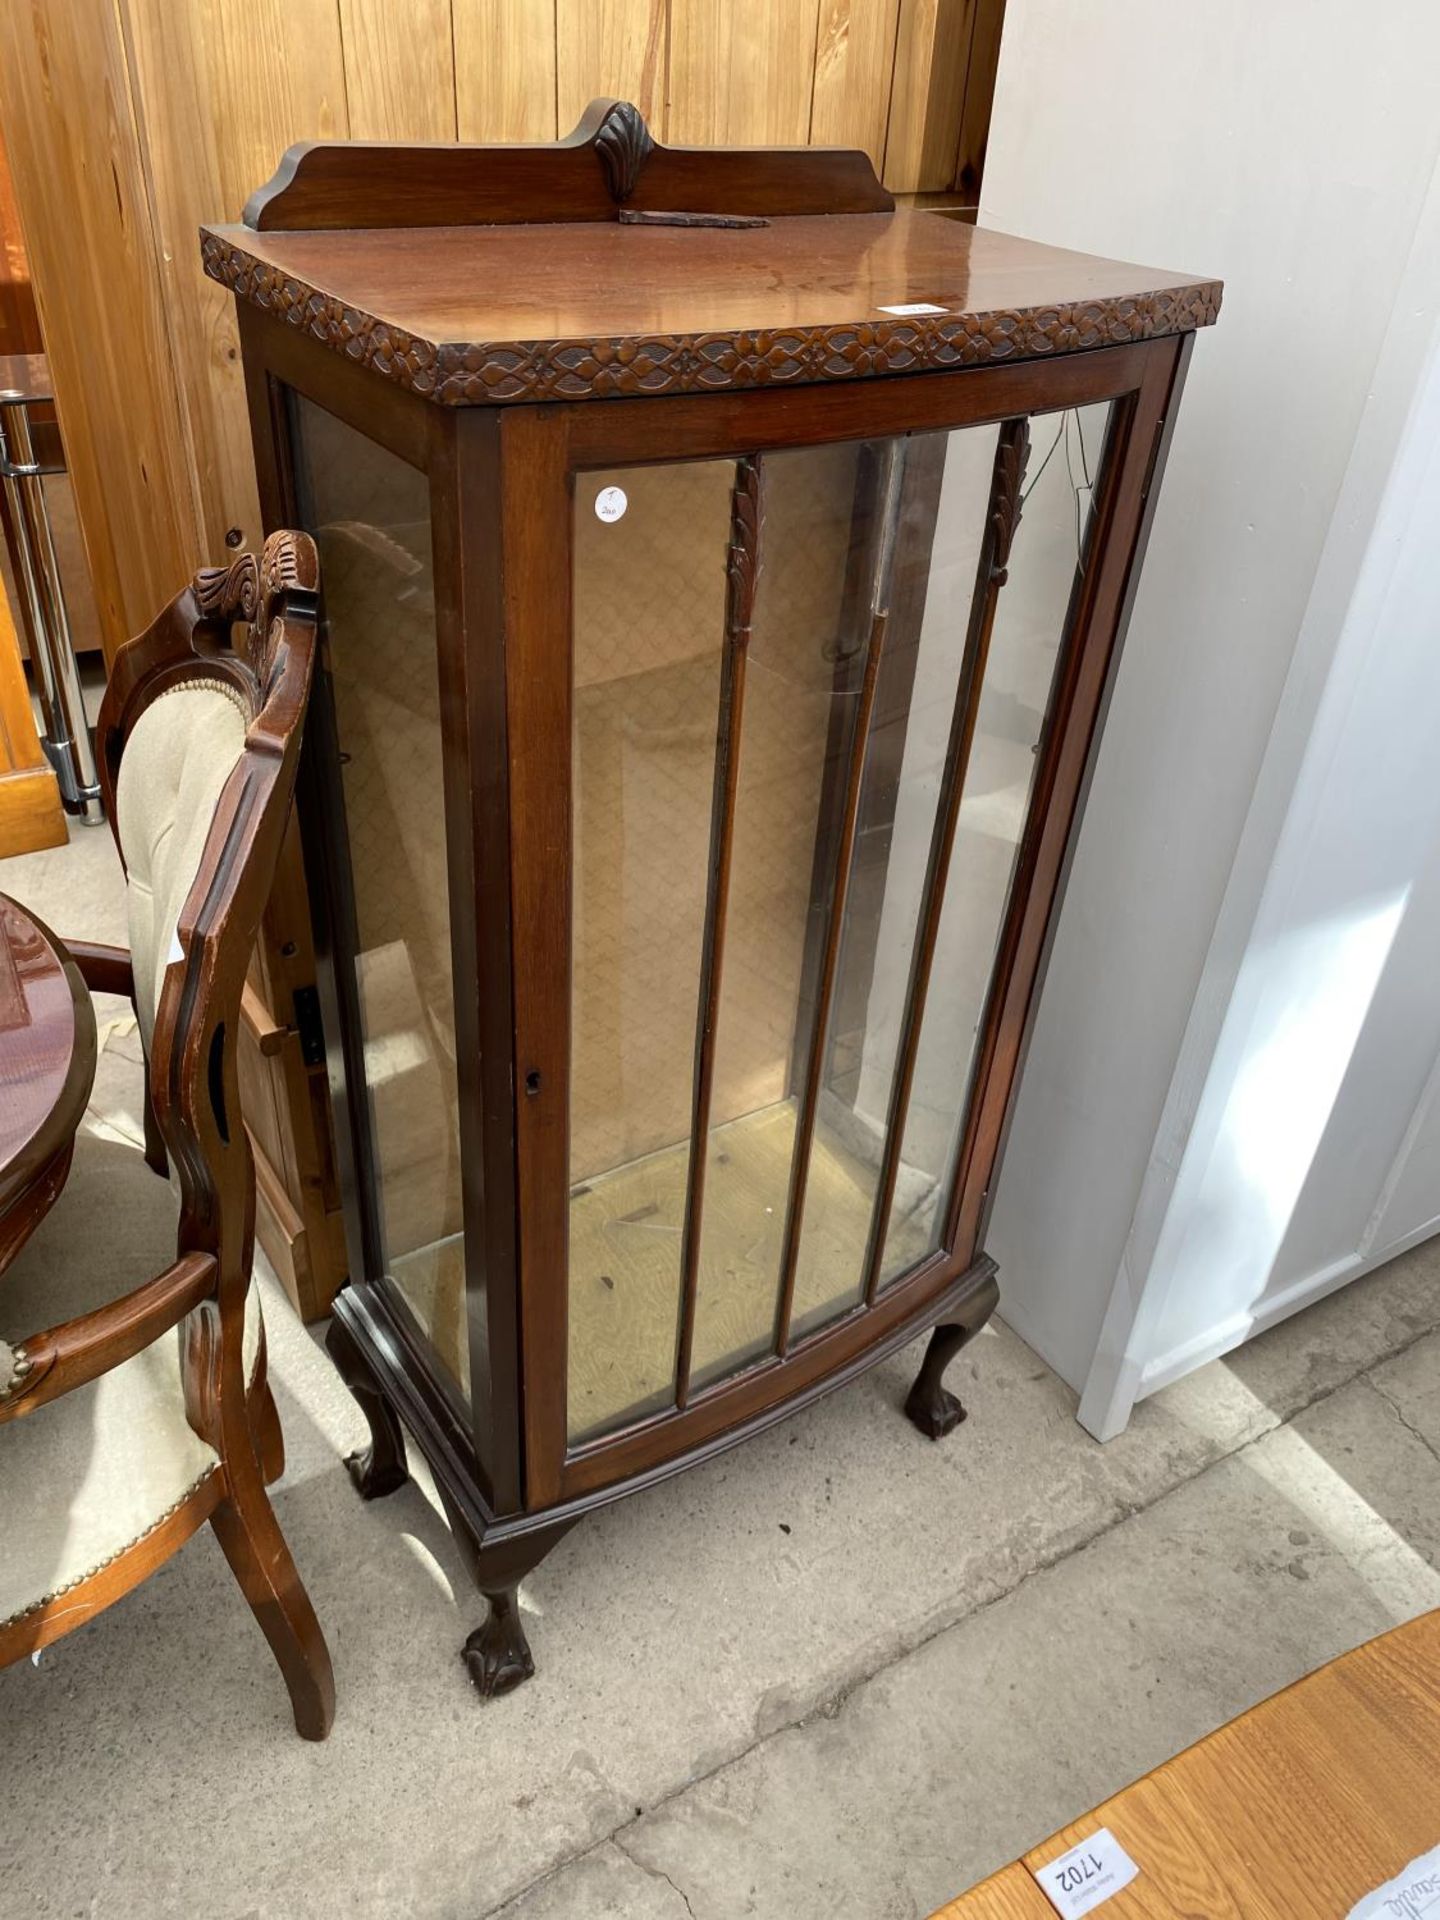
103, 969
48, 1364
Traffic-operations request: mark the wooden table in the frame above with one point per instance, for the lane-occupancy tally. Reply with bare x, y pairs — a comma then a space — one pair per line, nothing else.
1292, 1812
47, 1065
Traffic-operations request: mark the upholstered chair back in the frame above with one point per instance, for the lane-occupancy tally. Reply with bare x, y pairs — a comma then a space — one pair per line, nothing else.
199, 738
180, 753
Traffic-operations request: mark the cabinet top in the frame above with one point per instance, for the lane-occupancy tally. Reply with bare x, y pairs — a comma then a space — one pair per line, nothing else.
607, 266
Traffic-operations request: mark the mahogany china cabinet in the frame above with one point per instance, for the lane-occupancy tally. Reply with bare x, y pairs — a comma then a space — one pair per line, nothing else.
723, 572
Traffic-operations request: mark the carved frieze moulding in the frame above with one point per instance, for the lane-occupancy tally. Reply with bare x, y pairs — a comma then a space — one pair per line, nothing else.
484, 374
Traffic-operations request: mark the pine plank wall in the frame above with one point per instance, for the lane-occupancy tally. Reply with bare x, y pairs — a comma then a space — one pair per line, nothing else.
129, 124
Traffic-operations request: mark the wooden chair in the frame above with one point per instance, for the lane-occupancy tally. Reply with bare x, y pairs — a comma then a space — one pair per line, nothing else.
147, 1412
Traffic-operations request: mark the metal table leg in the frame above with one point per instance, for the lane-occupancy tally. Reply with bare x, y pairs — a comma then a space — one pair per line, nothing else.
66, 739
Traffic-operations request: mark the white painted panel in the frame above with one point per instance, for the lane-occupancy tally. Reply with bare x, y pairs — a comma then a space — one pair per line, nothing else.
1251, 142
1390, 1074
1331, 1033
1409, 1210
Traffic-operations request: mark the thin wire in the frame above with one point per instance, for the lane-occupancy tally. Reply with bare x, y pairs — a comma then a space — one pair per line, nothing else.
1080, 436
1077, 487
1045, 462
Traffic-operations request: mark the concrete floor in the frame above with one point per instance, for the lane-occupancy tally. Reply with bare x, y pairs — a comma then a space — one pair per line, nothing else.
840, 1672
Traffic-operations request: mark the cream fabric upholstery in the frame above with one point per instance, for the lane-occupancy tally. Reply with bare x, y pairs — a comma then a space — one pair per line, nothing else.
92, 1472
180, 753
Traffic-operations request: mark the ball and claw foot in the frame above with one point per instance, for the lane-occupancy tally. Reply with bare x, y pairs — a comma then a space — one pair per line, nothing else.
497, 1656
373, 1477
936, 1412
931, 1406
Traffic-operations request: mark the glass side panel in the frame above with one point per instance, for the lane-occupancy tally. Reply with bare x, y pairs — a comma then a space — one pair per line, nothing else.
1014, 700
649, 613
941, 514
369, 514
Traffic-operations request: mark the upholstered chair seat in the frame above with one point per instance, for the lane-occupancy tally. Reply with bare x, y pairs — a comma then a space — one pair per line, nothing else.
94, 1471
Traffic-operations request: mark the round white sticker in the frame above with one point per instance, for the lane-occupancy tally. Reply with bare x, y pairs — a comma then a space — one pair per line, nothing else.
610, 503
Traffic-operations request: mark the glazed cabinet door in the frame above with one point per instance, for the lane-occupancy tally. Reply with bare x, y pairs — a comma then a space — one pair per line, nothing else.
378, 749
808, 691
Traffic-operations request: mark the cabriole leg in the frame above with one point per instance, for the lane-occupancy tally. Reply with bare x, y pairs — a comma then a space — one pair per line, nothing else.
930, 1405
497, 1655
380, 1469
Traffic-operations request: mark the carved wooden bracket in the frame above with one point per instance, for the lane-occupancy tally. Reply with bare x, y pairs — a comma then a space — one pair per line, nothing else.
743, 566
1012, 456
230, 593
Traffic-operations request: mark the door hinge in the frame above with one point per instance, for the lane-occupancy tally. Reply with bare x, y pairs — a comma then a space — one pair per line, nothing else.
308, 1026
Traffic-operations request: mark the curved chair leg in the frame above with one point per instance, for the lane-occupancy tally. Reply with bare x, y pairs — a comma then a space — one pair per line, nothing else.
250, 1536
381, 1468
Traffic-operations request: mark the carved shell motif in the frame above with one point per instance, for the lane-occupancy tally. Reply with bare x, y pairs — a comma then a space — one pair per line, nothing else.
622, 146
